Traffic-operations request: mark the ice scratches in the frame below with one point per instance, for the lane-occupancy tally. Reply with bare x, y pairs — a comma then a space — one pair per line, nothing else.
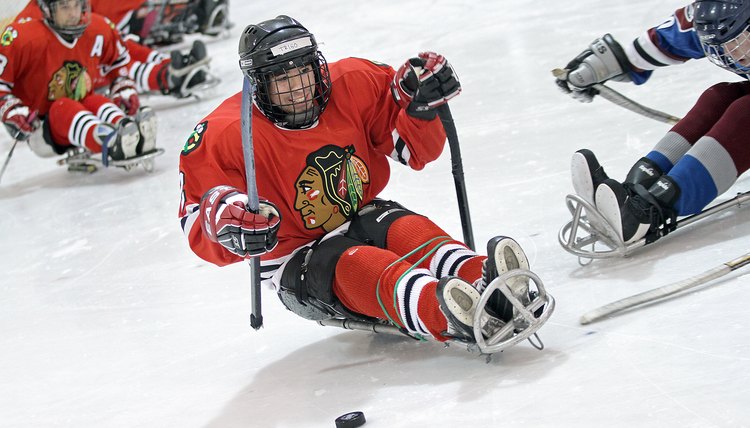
71, 248
648, 379
696, 351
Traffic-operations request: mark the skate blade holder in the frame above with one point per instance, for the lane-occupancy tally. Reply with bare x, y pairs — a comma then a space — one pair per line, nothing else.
588, 228
592, 228
81, 160
189, 72
524, 323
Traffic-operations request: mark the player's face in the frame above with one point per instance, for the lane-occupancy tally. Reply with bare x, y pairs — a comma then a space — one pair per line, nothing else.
67, 13
293, 91
739, 49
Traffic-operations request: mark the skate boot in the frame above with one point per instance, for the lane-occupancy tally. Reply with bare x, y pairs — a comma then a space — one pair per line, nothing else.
458, 302
147, 125
586, 174
504, 255
212, 16
642, 213
188, 71
119, 143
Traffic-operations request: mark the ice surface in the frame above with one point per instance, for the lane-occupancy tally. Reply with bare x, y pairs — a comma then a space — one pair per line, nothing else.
108, 320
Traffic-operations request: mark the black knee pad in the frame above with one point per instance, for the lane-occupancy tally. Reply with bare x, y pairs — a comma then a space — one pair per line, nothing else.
373, 221
307, 280
47, 134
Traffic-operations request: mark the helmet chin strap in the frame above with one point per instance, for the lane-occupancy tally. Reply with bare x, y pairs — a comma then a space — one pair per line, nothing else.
302, 120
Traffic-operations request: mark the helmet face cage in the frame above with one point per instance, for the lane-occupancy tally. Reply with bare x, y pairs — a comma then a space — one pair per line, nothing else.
732, 55
722, 28
68, 31
293, 94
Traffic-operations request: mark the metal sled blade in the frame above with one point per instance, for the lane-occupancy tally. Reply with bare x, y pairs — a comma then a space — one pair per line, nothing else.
588, 228
524, 324
211, 81
592, 228
82, 160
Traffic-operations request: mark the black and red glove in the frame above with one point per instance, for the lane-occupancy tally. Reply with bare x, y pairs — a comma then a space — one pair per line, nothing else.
123, 93
226, 220
424, 83
18, 119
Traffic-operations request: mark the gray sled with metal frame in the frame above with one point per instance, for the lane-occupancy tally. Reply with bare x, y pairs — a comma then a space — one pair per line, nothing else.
588, 227
82, 160
524, 325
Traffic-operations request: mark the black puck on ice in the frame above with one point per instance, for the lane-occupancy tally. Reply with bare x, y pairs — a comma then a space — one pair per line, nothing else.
351, 420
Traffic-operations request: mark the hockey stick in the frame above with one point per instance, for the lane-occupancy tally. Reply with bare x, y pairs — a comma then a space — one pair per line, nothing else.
246, 121
7, 159
457, 169
664, 291
621, 100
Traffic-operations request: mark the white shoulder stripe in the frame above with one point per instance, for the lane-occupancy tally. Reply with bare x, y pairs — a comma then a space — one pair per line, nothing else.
644, 41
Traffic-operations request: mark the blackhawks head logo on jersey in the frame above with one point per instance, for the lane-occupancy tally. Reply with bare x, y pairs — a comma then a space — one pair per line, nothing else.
70, 81
331, 187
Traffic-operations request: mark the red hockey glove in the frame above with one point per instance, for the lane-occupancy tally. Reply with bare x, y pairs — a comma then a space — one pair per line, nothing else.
122, 92
17, 118
424, 83
225, 220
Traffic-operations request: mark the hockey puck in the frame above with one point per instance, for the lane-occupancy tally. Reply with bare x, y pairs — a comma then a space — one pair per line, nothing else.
351, 420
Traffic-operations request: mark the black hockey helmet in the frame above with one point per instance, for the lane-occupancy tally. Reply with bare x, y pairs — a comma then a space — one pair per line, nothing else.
65, 30
719, 21
721, 25
278, 55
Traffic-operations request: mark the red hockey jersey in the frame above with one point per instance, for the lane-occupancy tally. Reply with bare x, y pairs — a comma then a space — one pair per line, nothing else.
114, 10
39, 67
317, 177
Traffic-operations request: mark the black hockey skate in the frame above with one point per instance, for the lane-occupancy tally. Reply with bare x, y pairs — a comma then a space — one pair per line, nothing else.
506, 289
120, 148
212, 17
166, 22
586, 174
589, 226
189, 73
459, 302
147, 127
642, 213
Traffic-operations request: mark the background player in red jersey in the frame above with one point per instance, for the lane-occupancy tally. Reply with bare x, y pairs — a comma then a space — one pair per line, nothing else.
176, 74
322, 136
47, 68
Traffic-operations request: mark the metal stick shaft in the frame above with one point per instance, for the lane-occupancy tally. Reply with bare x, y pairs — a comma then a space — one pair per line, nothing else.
246, 122
621, 100
7, 159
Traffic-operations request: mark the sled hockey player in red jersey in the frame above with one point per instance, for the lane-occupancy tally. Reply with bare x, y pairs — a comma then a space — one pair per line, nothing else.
180, 74
700, 158
46, 89
322, 136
